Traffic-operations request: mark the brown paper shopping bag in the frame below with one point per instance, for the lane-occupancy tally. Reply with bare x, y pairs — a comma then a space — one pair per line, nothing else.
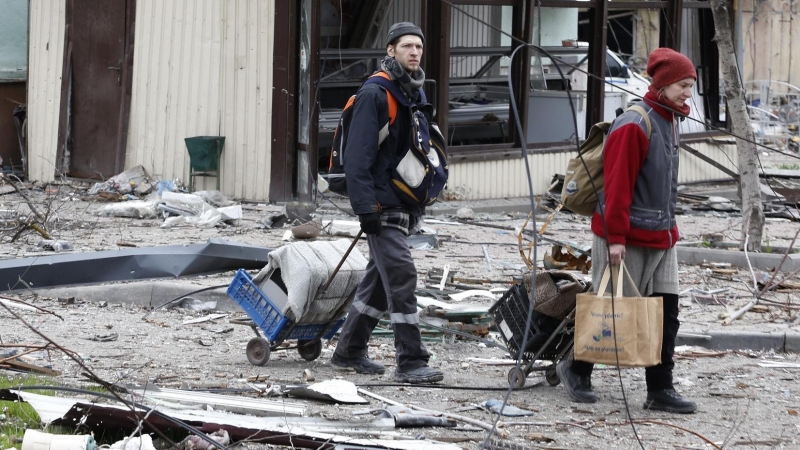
631, 329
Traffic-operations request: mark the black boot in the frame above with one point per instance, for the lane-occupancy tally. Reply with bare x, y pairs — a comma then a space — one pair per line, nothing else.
670, 401
579, 388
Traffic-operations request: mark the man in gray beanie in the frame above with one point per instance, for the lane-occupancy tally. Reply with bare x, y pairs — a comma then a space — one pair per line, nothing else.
400, 29
390, 281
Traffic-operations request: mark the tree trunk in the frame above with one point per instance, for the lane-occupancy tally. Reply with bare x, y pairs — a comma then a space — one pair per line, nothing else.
752, 209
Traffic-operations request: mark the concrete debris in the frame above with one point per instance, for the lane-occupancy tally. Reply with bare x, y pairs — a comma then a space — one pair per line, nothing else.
50, 245
122, 183
308, 230
465, 214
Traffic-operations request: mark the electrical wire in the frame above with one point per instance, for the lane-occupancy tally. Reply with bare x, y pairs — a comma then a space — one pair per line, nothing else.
182, 297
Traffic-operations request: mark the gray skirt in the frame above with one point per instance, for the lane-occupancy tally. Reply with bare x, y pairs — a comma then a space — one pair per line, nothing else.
652, 269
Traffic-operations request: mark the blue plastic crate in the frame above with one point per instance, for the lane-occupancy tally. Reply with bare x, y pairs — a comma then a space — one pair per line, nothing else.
275, 326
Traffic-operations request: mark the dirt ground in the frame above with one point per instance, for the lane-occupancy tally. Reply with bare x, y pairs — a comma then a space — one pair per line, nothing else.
740, 404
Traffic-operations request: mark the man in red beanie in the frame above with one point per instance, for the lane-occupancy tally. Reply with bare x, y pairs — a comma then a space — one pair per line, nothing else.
638, 202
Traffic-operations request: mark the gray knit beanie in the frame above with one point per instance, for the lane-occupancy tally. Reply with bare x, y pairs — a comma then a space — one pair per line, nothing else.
401, 29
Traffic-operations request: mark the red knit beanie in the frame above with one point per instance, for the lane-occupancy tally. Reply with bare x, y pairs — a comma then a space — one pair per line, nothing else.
666, 66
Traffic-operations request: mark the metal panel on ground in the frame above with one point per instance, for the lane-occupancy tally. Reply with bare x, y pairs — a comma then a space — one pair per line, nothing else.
46, 55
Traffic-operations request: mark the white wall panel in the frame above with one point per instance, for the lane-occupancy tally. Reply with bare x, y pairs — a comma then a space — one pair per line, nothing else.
204, 68
693, 169
506, 178
47, 21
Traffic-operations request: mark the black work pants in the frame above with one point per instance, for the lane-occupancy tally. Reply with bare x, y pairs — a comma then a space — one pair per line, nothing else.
660, 376
388, 285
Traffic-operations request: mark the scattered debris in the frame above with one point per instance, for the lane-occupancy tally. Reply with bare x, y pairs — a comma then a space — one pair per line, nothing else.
50, 245
308, 230
207, 318
236, 404
141, 442
124, 183
194, 304
497, 407
332, 391
104, 337
196, 443
575, 258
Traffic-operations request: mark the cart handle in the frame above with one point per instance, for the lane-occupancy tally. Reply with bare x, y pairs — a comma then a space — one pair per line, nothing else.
344, 258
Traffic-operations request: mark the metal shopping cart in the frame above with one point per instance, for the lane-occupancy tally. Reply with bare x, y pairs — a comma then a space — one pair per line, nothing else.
551, 335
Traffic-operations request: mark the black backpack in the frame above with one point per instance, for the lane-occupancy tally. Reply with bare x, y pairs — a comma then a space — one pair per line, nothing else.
418, 174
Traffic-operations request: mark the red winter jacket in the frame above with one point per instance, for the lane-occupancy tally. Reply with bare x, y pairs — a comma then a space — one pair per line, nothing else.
624, 155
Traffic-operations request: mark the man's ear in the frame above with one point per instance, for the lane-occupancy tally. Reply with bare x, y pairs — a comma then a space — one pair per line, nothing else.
390, 50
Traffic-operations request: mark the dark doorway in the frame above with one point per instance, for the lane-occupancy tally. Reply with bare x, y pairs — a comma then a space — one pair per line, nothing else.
99, 57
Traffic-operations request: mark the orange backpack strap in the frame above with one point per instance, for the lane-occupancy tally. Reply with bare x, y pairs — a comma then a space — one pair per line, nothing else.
389, 97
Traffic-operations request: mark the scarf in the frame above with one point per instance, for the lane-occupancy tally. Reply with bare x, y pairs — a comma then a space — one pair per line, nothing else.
658, 96
410, 84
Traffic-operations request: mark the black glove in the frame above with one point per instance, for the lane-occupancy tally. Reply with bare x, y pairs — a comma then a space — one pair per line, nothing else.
370, 223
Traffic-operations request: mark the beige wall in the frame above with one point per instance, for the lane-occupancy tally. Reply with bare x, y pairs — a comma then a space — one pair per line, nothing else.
204, 67
771, 34
482, 180
46, 55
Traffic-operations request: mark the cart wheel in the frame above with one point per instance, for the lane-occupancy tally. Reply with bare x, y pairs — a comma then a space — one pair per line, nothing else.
551, 376
309, 350
516, 378
258, 351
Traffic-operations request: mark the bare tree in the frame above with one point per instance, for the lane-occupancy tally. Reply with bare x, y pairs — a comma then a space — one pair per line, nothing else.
752, 209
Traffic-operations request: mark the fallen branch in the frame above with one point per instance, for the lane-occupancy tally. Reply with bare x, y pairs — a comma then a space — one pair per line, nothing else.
25, 197
13, 299
667, 424
740, 312
35, 349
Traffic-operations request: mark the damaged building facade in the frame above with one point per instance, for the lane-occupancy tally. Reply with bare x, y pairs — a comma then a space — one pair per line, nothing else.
113, 85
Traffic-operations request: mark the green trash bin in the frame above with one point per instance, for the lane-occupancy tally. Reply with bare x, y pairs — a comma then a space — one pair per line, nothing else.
204, 155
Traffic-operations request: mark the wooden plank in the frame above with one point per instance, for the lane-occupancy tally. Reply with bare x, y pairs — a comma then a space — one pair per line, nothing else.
19, 365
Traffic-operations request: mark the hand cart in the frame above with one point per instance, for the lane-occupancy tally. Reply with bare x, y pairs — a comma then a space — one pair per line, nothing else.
267, 317
275, 326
